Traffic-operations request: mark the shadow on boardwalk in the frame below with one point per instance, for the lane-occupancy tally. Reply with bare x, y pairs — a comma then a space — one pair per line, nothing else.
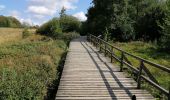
102, 73
88, 75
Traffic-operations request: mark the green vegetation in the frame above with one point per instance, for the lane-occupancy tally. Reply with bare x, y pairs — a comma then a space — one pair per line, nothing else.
28, 67
69, 23
66, 27
26, 33
9, 22
149, 52
145, 50
51, 28
128, 20
146, 21
165, 39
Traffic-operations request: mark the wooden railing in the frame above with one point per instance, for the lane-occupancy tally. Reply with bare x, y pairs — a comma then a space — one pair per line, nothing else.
142, 72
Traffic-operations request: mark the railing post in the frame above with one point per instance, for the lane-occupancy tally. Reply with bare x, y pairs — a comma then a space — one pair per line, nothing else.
169, 94
91, 40
88, 38
121, 63
139, 76
111, 52
100, 45
94, 41
105, 49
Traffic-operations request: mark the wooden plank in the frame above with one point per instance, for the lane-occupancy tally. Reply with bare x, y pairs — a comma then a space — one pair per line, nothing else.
90, 76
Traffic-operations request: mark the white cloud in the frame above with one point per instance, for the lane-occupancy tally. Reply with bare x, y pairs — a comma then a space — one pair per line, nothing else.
14, 13
81, 16
2, 7
38, 16
49, 7
41, 10
27, 20
17, 15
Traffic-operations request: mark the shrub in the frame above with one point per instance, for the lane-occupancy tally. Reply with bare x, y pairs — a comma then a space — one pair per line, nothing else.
67, 37
70, 24
51, 28
25, 33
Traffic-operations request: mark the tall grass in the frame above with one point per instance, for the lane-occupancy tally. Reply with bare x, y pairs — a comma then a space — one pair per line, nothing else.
28, 67
12, 34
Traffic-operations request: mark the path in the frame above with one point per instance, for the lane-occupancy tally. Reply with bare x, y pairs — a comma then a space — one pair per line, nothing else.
88, 75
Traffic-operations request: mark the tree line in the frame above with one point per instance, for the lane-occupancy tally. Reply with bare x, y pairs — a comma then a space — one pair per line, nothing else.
130, 20
12, 22
9, 22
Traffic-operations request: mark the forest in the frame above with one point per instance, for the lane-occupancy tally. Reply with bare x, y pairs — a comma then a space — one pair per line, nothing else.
130, 20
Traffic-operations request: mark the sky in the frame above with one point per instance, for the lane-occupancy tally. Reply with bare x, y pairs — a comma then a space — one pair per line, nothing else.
37, 12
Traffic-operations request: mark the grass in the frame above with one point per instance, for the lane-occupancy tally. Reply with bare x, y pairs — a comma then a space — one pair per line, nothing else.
12, 34
28, 66
149, 52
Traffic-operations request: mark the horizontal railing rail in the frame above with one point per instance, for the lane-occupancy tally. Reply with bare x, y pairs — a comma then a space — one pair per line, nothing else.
107, 49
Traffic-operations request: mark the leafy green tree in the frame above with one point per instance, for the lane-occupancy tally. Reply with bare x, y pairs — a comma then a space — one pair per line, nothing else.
69, 23
123, 23
63, 12
99, 16
165, 38
112, 14
151, 16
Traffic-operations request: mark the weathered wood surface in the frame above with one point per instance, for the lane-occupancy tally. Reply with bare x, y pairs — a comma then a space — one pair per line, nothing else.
88, 75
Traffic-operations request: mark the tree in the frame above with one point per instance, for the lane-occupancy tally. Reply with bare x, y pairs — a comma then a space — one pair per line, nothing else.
123, 23
9, 22
99, 16
69, 23
165, 38
113, 15
151, 16
63, 12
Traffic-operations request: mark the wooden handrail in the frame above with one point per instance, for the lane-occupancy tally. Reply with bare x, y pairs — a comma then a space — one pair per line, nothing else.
103, 45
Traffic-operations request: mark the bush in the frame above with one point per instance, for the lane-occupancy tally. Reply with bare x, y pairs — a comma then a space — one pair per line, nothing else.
165, 42
69, 36
70, 24
25, 33
51, 28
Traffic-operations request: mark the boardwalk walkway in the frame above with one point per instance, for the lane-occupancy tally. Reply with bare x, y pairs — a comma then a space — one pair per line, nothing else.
88, 75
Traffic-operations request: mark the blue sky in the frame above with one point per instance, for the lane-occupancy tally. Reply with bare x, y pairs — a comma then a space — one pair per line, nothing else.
40, 11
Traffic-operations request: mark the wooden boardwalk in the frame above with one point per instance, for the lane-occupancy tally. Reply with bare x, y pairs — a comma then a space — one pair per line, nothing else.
88, 75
